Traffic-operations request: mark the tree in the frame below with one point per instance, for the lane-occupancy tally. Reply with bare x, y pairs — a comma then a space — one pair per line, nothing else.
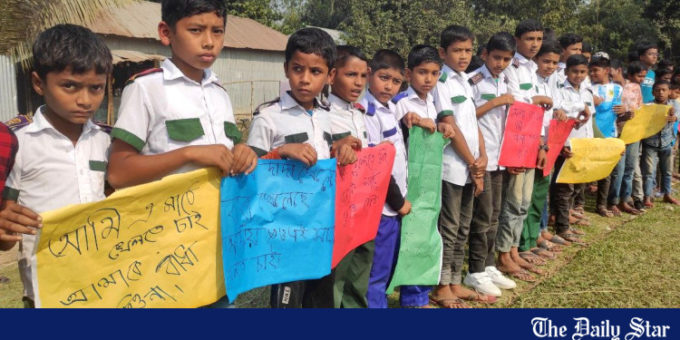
326, 13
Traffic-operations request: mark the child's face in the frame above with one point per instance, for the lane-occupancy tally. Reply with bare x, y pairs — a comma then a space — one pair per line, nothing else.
674, 93
588, 55
660, 93
348, 81
599, 75
547, 64
457, 55
529, 43
571, 50
497, 60
667, 77
638, 77
196, 42
650, 57
70, 97
423, 77
577, 74
307, 74
385, 83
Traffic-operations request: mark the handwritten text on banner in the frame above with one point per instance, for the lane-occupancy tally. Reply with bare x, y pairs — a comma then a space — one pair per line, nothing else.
593, 160
522, 136
647, 121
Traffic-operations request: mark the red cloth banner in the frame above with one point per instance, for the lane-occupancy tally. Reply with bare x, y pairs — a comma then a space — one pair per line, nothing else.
558, 133
522, 136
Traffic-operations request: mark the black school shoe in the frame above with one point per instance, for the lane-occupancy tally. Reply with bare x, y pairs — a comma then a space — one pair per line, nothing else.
639, 205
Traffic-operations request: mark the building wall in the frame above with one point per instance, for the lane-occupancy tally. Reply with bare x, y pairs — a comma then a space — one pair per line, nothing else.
8, 89
250, 77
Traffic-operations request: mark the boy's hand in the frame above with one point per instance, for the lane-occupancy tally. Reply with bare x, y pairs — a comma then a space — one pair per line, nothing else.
479, 166
346, 155
245, 160
560, 115
671, 117
405, 209
597, 100
410, 119
15, 218
479, 185
619, 109
566, 152
542, 158
427, 124
212, 155
583, 117
516, 171
447, 130
506, 99
544, 101
303, 152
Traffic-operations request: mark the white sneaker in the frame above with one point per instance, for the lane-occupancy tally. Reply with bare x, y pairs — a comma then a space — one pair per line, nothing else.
481, 282
498, 279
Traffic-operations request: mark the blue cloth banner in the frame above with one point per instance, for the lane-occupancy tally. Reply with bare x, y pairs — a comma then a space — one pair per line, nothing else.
277, 224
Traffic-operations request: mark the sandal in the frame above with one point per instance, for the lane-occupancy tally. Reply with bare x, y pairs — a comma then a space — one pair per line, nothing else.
604, 212
544, 253
582, 223
449, 303
557, 239
522, 275
532, 258
534, 269
615, 210
476, 297
550, 246
573, 238
576, 231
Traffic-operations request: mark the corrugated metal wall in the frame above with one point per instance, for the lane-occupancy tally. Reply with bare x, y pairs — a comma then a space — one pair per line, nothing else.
251, 77
8, 89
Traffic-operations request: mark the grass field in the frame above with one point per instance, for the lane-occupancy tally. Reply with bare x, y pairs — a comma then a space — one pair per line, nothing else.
629, 263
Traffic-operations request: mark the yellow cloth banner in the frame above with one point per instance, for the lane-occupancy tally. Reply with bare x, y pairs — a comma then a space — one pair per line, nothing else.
593, 160
648, 121
153, 245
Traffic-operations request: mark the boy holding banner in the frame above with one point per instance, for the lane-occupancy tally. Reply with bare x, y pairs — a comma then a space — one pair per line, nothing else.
577, 102
518, 182
490, 89
62, 154
415, 107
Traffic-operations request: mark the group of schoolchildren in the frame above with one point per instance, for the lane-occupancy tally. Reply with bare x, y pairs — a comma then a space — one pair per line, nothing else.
178, 117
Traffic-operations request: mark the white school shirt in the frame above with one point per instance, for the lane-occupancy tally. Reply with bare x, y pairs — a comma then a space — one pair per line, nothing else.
347, 119
382, 125
561, 73
163, 110
50, 173
522, 78
548, 87
573, 101
453, 96
409, 101
285, 121
492, 123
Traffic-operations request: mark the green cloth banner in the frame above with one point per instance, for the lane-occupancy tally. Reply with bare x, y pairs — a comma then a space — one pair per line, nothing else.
420, 252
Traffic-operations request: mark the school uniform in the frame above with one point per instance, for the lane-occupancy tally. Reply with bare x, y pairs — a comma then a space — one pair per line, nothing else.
536, 219
284, 121
163, 110
573, 101
350, 277
382, 125
51, 172
487, 206
453, 96
517, 189
405, 102
605, 126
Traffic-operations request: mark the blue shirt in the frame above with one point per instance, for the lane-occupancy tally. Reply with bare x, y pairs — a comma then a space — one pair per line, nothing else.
605, 117
646, 87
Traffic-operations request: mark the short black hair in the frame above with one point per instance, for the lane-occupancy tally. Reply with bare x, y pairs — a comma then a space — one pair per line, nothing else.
675, 84
386, 59
635, 67
528, 25
665, 63
73, 46
549, 46
587, 47
662, 72
616, 64
599, 62
643, 46
173, 11
344, 52
576, 59
420, 54
502, 41
455, 33
549, 34
312, 40
569, 39
661, 82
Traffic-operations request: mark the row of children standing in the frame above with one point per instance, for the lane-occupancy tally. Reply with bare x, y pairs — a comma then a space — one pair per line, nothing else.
177, 118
